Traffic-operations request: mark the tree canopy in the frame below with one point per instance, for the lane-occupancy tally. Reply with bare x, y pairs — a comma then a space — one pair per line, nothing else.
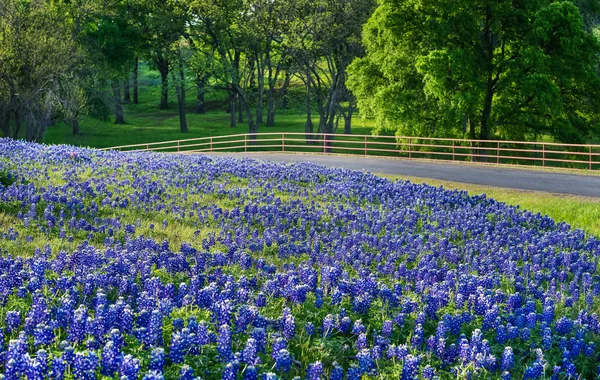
481, 68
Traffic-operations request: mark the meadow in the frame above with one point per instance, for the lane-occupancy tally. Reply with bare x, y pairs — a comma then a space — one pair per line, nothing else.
141, 265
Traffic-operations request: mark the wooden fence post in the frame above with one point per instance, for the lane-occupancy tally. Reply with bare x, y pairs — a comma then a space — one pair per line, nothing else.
178, 142
409, 148
591, 157
498, 153
283, 142
366, 145
211, 140
543, 155
453, 149
245, 143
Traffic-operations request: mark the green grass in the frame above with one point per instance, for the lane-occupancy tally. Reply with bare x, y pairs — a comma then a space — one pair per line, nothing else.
147, 123
579, 212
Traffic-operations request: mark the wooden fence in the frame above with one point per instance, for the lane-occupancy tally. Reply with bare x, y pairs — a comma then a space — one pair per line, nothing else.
541, 154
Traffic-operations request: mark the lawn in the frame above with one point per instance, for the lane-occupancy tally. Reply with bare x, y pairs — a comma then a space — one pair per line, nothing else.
147, 123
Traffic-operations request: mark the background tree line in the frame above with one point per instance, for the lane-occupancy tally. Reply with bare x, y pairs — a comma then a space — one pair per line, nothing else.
480, 69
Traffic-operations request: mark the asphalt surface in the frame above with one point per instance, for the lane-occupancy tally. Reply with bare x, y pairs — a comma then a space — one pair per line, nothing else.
534, 180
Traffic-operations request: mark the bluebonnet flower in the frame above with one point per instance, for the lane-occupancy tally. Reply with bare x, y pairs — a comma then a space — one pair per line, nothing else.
153, 375
130, 367
337, 372
309, 328
314, 371
365, 361
410, 367
283, 360
250, 351
224, 343
428, 372
157, 359
508, 359
186, 373
250, 373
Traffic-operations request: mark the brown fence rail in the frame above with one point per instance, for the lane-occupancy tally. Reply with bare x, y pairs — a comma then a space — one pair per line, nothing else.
541, 154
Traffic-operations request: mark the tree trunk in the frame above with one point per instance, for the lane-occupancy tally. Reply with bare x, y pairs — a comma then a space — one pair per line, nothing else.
75, 125
126, 92
135, 81
270, 110
284, 91
348, 123
17, 125
163, 68
232, 113
252, 126
119, 119
180, 89
485, 132
240, 110
261, 92
5, 126
308, 126
201, 90
349, 114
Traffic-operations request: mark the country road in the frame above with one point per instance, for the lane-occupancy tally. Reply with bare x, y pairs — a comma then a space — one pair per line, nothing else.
513, 178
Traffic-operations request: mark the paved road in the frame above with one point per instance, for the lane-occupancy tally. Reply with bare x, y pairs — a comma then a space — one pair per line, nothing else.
552, 182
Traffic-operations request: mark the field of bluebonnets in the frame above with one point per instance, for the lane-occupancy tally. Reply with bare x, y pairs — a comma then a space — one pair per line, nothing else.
142, 265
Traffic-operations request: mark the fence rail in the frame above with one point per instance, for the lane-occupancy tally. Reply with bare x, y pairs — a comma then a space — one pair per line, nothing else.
541, 154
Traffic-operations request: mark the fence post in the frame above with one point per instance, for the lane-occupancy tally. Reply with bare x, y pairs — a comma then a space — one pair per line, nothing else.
590, 157
245, 143
366, 145
178, 146
498, 153
147, 146
324, 143
283, 142
211, 139
453, 152
543, 155
409, 148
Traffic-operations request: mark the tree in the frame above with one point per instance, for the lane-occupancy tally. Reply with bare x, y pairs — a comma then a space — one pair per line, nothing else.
108, 41
162, 25
270, 21
178, 75
224, 26
480, 67
36, 51
325, 39
204, 66
73, 100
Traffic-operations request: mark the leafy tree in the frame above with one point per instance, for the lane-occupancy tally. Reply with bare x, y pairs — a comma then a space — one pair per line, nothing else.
37, 51
108, 41
325, 39
162, 26
224, 26
482, 67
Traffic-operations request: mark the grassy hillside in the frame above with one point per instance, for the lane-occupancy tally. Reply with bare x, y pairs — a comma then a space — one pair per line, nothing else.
147, 123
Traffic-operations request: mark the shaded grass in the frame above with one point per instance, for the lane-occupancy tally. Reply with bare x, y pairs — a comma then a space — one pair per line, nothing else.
147, 123
579, 212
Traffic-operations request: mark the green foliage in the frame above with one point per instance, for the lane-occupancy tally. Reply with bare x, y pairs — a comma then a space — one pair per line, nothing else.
481, 69
36, 51
6, 177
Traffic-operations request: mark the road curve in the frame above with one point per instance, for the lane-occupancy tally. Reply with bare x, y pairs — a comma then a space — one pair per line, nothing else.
523, 179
